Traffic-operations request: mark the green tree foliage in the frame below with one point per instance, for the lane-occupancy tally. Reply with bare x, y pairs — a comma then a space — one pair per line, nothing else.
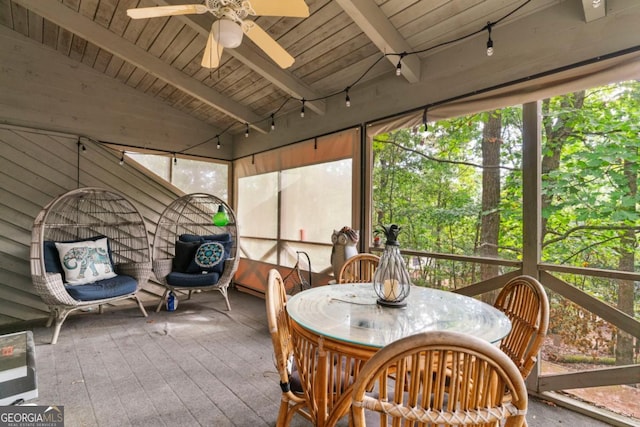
429, 181
592, 209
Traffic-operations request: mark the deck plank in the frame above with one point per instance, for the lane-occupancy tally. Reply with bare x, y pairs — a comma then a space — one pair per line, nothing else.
198, 366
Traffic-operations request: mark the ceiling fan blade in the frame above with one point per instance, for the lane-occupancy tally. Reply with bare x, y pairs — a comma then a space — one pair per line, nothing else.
265, 42
293, 8
212, 53
154, 12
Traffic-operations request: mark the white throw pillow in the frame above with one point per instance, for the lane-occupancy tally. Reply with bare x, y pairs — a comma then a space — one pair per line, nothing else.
85, 262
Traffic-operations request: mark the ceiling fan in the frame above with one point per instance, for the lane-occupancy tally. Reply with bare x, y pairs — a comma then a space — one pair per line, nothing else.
230, 25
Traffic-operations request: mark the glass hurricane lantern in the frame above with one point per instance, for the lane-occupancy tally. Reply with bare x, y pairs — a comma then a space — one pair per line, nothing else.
391, 280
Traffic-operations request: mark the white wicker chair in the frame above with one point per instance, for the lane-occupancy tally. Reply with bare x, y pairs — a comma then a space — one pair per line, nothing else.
85, 214
191, 215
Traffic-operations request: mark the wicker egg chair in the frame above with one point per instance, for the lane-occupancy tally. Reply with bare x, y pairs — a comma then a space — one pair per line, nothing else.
184, 228
81, 217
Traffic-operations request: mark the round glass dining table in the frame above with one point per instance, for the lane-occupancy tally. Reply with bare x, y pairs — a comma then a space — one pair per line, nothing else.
349, 313
335, 329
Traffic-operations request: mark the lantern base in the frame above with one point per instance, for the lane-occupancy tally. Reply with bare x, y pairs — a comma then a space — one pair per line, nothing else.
393, 304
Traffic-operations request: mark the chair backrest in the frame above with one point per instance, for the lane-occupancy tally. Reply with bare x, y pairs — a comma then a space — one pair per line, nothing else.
83, 214
525, 302
359, 268
88, 212
278, 320
192, 214
442, 378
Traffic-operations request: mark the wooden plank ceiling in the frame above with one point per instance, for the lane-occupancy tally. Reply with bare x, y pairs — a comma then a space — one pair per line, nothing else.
332, 48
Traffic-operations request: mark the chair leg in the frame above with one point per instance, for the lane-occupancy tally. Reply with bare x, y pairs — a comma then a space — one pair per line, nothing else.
223, 291
144, 312
281, 421
61, 316
162, 299
52, 315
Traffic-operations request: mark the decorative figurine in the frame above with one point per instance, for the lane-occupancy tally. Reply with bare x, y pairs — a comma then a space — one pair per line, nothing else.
344, 247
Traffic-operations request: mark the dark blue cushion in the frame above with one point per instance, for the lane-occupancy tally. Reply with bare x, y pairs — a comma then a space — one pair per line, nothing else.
223, 237
107, 288
209, 257
184, 260
52, 258
192, 280
185, 251
295, 384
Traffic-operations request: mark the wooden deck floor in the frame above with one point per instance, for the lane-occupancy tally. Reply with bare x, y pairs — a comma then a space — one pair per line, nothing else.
197, 366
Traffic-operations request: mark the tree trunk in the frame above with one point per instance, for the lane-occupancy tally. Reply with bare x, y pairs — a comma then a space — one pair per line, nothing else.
556, 130
490, 218
624, 340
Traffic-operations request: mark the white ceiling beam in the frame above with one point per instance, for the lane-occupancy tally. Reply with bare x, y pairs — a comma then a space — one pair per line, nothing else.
594, 9
74, 22
374, 23
253, 58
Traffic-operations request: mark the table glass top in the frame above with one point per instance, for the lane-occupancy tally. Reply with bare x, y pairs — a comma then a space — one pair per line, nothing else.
349, 313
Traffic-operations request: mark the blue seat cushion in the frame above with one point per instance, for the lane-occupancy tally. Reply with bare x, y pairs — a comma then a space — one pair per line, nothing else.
107, 288
295, 384
188, 280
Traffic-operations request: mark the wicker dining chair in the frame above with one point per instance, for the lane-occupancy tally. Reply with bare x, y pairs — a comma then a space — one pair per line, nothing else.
525, 303
359, 268
464, 385
191, 252
293, 399
75, 225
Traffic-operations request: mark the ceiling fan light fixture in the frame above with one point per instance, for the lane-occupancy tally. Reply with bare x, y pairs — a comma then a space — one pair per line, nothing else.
227, 33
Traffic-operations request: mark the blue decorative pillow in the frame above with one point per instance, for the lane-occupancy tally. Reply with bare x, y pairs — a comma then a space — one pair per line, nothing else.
223, 237
185, 251
209, 257
190, 239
